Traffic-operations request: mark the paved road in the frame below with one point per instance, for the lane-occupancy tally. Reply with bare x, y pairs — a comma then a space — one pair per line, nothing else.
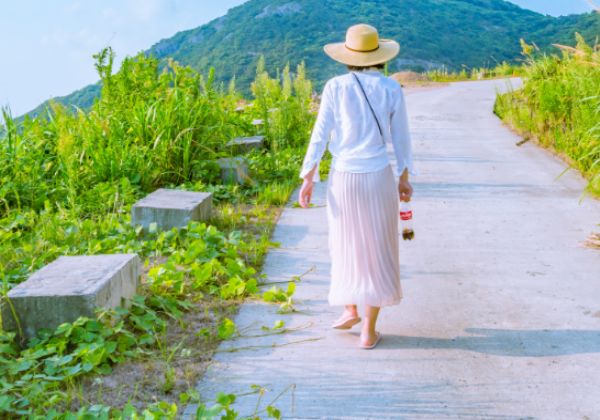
501, 315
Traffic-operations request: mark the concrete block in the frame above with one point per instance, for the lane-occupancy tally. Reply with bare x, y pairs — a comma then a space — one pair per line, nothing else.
234, 170
71, 287
171, 208
246, 144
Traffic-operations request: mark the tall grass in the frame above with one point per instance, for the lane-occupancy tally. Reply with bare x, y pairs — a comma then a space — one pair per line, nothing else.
559, 105
284, 104
151, 126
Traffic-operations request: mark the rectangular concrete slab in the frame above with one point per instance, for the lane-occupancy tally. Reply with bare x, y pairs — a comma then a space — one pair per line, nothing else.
71, 287
171, 208
234, 170
246, 144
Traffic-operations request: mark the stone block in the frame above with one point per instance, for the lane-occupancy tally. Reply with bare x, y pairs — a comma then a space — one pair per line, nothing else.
246, 144
234, 170
71, 287
171, 208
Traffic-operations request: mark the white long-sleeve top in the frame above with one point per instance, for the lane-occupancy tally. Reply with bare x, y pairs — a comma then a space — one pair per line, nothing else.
346, 124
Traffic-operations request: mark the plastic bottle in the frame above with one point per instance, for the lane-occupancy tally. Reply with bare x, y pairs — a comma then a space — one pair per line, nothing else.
406, 216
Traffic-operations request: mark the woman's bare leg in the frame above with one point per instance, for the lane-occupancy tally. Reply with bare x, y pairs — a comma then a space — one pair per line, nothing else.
351, 310
368, 335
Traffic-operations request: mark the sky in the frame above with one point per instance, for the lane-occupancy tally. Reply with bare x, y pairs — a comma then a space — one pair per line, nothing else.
47, 46
556, 7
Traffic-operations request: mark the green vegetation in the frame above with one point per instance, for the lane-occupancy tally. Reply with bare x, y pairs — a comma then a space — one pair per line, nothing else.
559, 105
455, 34
500, 71
146, 131
67, 183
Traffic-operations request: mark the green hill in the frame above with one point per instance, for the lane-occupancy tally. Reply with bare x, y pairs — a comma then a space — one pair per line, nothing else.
432, 33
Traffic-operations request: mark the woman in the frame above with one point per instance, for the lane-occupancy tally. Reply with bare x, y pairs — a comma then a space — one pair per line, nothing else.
360, 113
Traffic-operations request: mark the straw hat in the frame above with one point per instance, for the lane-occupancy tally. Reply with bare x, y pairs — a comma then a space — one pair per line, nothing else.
363, 47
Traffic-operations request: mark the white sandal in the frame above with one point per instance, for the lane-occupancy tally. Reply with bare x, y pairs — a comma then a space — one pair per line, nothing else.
371, 346
347, 322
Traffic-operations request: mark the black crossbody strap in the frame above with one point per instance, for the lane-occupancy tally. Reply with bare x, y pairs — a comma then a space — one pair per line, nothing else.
369, 103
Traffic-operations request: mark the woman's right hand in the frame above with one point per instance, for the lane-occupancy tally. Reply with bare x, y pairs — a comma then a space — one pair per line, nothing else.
405, 190
305, 194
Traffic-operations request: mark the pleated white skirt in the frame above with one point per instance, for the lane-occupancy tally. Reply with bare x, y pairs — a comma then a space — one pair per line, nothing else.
362, 212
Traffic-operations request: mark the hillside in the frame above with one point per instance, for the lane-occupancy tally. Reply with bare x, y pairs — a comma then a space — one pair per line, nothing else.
432, 33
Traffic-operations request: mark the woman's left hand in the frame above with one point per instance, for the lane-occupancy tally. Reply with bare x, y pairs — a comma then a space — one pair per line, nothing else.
305, 194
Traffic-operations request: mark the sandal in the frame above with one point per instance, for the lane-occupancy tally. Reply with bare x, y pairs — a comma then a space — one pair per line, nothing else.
345, 323
371, 346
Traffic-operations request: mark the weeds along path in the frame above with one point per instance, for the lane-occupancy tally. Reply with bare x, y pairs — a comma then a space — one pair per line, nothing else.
501, 315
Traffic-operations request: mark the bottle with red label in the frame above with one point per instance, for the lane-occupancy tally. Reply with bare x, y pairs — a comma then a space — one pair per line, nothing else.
406, 216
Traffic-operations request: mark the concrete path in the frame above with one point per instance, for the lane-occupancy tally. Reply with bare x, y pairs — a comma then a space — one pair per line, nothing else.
501, 310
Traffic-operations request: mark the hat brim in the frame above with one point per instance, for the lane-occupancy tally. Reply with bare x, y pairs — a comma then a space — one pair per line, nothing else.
387, 50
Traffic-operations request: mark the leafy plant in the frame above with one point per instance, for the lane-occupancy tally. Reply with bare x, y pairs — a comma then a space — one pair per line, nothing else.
284, 298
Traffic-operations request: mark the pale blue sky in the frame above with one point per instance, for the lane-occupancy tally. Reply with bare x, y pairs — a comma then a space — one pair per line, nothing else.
47, 46
556, 7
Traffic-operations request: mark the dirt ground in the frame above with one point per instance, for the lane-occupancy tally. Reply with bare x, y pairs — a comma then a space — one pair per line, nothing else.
162, 374
414, 82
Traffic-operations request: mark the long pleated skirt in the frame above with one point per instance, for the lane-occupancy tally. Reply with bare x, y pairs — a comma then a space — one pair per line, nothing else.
362, 212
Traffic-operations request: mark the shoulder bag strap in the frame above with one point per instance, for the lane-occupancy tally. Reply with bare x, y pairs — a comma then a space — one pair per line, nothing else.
369, 103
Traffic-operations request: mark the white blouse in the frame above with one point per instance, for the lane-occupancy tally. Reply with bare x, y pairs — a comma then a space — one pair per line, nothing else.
347, 124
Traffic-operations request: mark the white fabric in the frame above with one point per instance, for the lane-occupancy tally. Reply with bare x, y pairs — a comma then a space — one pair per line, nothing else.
362, 211
347, 124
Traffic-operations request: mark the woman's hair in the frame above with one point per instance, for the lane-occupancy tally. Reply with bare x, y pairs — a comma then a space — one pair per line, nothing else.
380, 66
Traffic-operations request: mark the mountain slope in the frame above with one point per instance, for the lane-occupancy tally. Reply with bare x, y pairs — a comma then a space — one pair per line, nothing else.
432, 33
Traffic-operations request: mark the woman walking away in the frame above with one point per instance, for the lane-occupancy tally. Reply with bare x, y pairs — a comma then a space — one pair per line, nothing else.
360, 113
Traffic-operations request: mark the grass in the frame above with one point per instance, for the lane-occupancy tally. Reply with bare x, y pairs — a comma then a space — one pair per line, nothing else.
559, 105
